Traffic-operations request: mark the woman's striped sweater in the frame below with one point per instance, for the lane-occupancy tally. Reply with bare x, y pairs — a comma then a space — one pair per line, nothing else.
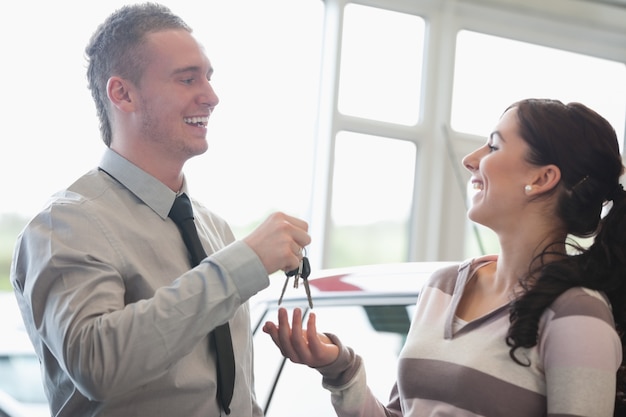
451, 368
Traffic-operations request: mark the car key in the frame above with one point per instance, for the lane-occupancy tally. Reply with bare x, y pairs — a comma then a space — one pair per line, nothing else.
302, 271
304, 274
294, 272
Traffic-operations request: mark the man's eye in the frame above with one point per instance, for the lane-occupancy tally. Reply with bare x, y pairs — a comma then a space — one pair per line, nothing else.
187, 81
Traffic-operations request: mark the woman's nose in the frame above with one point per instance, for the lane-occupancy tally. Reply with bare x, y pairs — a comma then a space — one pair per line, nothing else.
470, 161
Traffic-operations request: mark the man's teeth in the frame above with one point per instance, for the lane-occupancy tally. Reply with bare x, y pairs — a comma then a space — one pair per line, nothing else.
203, 121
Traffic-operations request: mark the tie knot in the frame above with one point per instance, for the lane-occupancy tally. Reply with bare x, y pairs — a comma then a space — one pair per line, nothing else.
181, 209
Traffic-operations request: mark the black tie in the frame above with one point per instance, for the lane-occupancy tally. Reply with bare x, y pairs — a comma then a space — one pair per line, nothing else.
182, 214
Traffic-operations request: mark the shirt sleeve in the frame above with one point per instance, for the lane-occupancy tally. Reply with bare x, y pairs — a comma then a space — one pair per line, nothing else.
581, 354
110, 329
345, 378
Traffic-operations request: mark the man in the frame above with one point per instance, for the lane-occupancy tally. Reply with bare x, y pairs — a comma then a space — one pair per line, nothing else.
102, 275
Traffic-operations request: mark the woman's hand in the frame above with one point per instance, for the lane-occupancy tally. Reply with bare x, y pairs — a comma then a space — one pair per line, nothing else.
300, 345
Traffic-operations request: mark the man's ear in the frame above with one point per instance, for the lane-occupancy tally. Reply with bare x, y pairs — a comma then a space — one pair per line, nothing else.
120, 94
546, 178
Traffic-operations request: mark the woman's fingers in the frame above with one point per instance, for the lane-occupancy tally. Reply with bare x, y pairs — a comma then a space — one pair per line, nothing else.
285, 335
299, 339
322, 349
301, 345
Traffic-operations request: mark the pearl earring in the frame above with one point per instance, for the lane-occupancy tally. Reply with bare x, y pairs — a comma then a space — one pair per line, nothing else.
528, 188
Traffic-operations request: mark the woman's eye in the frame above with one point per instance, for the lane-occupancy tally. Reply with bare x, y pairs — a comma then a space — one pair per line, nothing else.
492, 148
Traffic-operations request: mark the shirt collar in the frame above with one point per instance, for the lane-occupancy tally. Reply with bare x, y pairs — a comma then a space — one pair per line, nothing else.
144, 186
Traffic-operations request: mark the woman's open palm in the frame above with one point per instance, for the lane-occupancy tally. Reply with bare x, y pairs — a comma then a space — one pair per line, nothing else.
299, 345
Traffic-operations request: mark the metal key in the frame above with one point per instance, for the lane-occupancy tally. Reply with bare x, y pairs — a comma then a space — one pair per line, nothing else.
302, 271
294, 272
297, 273
304, 274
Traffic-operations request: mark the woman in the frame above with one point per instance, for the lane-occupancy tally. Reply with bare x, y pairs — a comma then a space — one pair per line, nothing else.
528, 332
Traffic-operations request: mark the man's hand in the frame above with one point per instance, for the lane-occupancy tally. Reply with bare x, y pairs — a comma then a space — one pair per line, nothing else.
278, 242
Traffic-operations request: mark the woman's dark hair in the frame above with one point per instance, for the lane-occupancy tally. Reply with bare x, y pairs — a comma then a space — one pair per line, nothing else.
115, 49
584, 146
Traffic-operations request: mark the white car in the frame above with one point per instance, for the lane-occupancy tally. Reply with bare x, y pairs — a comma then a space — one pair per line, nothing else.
10, 407
21, 388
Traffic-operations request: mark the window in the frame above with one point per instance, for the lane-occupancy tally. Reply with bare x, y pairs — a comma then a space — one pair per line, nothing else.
374, 151
494, 72
381, 65
371, 200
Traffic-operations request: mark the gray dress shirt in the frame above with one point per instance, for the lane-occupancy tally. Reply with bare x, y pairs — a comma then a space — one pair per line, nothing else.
116, 315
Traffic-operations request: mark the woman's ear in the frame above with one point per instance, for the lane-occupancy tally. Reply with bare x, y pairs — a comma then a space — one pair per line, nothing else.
545, 179
120, 94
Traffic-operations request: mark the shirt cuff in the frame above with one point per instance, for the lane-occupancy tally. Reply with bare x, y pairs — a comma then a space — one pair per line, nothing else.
343, 369
243, 266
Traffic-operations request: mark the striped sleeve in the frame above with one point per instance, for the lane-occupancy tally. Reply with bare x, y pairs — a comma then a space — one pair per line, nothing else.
581, 352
